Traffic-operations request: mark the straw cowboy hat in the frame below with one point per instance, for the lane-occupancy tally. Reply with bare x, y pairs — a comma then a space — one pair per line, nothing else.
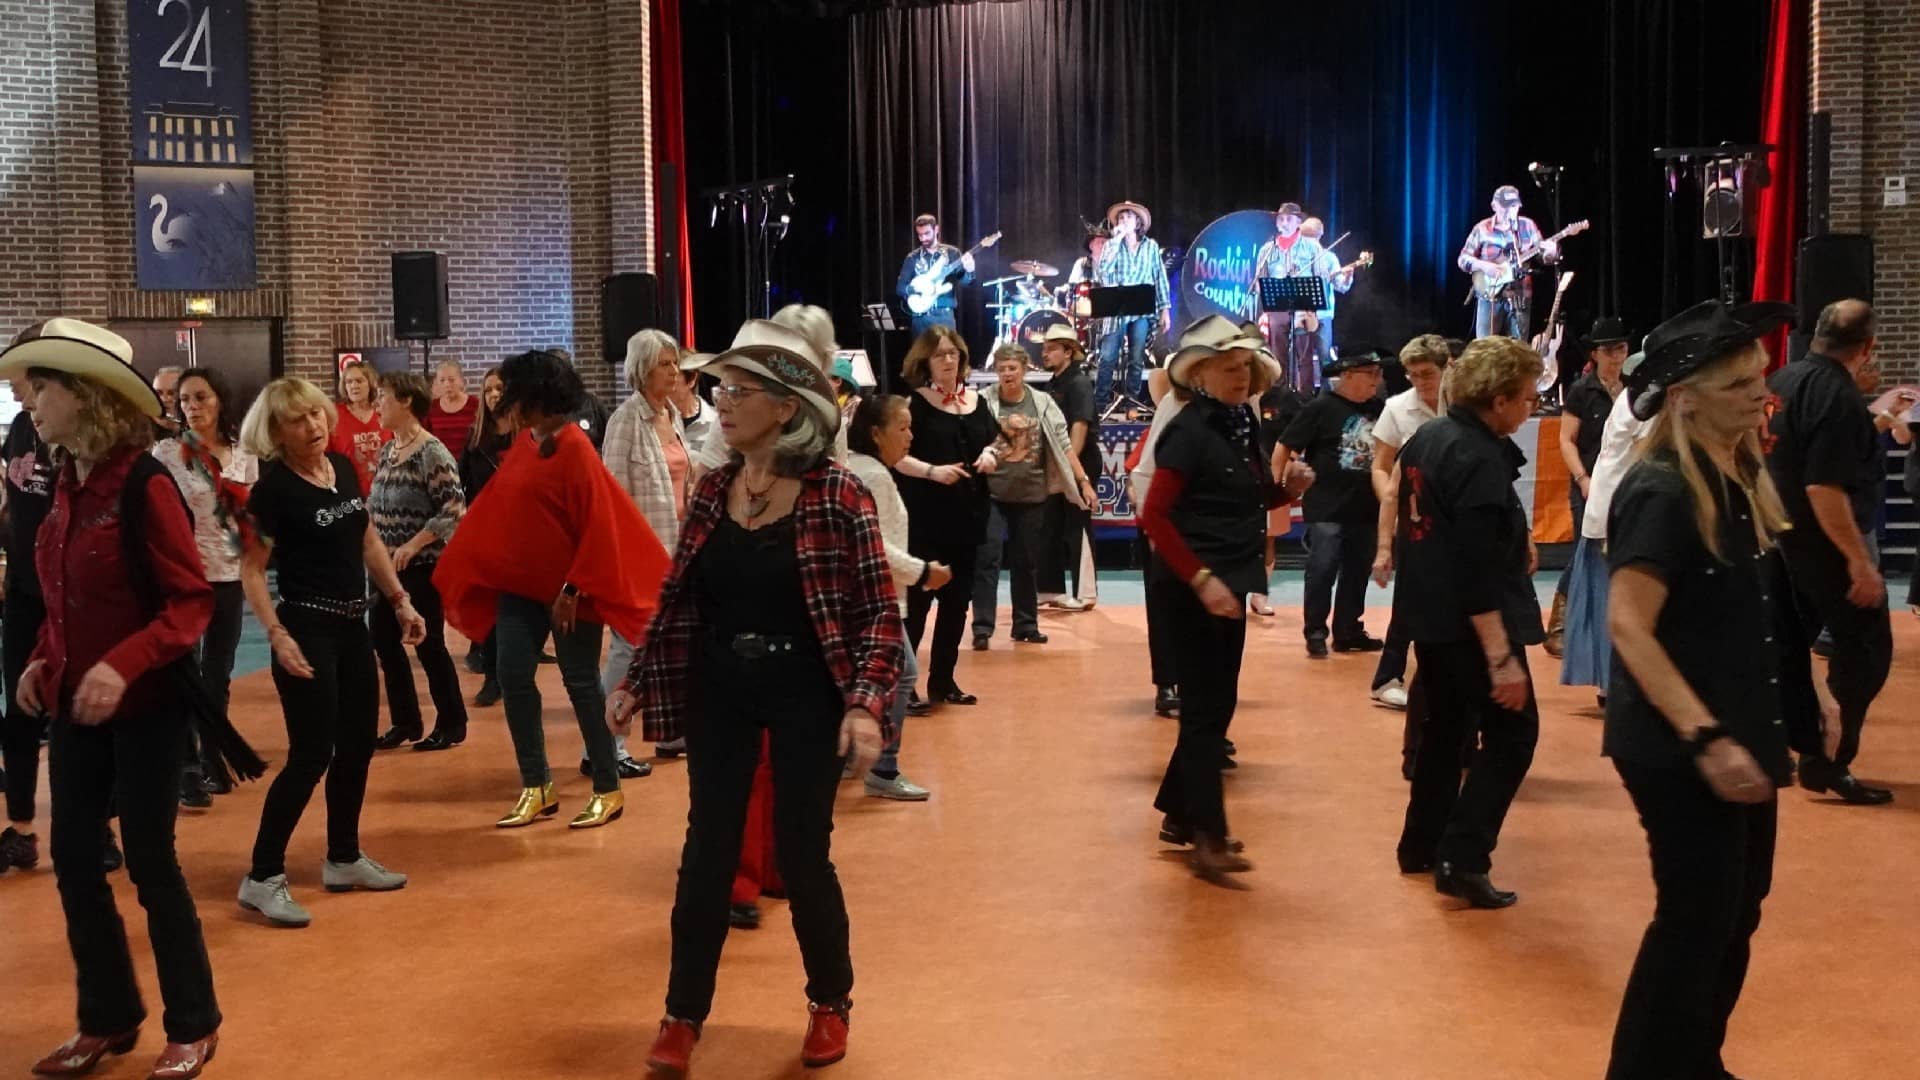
1146, 216
772, 351
1066, 335
82, 349
1207, 339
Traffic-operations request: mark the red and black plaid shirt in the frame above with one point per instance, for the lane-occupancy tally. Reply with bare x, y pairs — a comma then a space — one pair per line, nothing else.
849, 592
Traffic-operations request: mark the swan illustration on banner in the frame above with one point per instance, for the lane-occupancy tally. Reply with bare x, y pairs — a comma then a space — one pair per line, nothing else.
168, 233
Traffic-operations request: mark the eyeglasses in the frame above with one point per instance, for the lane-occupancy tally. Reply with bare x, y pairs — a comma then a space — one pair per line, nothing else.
734, 393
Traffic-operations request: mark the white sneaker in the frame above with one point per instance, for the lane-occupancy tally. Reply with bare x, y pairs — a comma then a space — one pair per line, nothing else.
1391, 694
362, 873
1068, 603
271, 899
899, 788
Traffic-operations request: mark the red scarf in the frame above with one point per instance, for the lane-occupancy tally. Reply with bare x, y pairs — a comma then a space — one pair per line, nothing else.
229, 498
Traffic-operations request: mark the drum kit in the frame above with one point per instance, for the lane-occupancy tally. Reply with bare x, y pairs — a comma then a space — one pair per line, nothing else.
1025, 307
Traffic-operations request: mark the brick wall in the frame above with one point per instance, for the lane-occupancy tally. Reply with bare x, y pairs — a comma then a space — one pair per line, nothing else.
1864, 75
511, 136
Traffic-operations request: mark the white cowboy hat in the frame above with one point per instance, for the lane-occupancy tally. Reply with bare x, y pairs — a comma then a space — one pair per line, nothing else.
1208, 338
1061, 332
694, 361
1146, 216
83, 349
772, 351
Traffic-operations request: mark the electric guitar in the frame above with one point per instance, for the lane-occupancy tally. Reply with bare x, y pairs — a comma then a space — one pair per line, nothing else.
931, 284
1547, 341
1489, 286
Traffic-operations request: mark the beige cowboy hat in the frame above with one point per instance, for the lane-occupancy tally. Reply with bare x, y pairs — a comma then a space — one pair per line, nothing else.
83, 349
1208, 338
694, 361
772, 351
1265, 351
1146, 216
1065, 334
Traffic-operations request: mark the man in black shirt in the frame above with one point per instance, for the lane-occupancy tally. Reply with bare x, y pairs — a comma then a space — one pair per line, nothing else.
29, 495
1334, 435
1068, 526
1465, 598
1826, 462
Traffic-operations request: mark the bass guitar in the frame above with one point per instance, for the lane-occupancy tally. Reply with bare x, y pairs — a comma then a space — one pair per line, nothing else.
1547, 341
931, 284
1488, 285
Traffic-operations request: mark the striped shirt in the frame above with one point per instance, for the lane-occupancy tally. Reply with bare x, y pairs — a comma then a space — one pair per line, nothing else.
421, 492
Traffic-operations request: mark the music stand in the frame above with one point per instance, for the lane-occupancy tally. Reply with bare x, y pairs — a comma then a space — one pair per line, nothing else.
1293, 295
876, 320
1124, 302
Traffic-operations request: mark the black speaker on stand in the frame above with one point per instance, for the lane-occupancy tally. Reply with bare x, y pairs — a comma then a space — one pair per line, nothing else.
420, 301
629, 303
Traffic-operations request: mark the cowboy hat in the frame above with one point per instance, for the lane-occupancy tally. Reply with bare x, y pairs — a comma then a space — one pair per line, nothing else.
1205, 339
1290, 208
1607, 330
785, 356
1146, 216
1347, 360
82, 349
694, 361
1065, 334
1690, 340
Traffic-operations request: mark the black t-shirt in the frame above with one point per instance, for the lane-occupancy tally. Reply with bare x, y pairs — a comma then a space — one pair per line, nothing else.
317, 534
1073, 392
1462, 538
1278, 406
1822, 435
1335, 437
30, 477
1588, 399
1728, 622
1222, 511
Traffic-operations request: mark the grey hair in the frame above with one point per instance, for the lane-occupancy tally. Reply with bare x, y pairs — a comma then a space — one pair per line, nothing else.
170, 369
644, 351
814, 324
804, 440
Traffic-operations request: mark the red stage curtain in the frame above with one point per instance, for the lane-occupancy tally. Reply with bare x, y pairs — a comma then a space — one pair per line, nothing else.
670, 146
1779, 221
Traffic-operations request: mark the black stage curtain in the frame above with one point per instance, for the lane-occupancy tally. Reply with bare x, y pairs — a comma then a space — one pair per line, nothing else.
1392, 119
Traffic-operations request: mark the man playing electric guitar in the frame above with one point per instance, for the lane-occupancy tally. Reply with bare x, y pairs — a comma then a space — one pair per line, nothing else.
1496, 244
930, 253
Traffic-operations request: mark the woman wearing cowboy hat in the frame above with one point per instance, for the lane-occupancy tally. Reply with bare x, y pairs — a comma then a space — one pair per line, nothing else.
1588, 402
1699, 604
778, 618
1205, 513
126, 601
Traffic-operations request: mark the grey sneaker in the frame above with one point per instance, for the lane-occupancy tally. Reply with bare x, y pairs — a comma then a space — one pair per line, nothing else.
899, 788
270, 898
1391, 694
362, 873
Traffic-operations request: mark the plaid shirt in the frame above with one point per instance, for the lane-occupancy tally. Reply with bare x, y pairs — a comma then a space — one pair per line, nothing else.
638, 462
1139, 266
849, 592
1491, 242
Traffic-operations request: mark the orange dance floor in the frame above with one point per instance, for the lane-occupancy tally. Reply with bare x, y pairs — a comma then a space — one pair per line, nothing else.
1025, 923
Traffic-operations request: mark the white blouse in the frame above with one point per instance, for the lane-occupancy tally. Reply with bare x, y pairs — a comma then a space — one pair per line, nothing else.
219, 547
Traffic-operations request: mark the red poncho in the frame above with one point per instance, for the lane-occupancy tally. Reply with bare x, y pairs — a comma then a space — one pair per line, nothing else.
544, 522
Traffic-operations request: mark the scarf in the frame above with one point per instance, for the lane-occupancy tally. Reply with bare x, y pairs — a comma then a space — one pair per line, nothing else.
229, 498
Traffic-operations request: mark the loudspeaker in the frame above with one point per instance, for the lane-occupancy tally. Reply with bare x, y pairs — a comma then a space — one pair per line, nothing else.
1837, 266
1819, 173
629, 303
420, 296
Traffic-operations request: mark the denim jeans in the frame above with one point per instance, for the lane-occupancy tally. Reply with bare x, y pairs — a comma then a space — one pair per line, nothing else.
1503, 315
889, 760
1132, 334
523, 628
1024, 523
1341, 554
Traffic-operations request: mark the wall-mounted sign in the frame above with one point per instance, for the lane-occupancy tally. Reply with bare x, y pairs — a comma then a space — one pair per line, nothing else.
193, 228
187, 86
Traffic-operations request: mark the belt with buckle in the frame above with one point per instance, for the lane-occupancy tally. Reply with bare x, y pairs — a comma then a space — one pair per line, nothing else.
346, 609
760, 646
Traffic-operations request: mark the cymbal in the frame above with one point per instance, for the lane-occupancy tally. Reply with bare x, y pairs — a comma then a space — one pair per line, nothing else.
1034, 269
1000, 281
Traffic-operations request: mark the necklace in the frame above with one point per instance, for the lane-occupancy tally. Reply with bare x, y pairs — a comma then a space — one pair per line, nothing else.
757, 501
400, 447
322, 477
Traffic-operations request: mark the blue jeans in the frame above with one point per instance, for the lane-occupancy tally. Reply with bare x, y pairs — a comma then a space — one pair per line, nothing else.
1506, 314
523, 627
1134, 334
937, 317
889, 760
1343, 554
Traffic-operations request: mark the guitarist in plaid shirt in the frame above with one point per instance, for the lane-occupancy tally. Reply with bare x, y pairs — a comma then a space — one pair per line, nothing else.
1502, 239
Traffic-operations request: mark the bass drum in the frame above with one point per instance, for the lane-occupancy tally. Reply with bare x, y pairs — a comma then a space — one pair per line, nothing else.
1033, 330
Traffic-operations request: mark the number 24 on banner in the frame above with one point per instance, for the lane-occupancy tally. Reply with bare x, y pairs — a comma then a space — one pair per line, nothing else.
192, 51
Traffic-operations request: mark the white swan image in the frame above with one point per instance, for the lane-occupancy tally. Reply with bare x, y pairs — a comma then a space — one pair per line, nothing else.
167, 235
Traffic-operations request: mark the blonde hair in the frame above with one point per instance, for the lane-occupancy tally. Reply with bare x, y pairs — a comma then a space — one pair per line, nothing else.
814, 324
108, 421
1491, 367
914, 370
1426, 349
279, 400
1672, 431
645, 351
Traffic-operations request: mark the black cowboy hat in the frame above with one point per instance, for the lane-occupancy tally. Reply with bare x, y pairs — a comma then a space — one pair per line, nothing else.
1680, 346
1290, 208
1349, 359
1607, 330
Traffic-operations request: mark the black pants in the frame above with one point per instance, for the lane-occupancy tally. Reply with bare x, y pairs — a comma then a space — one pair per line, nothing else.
443, 680
1712, 867
1207, 652
1393, 657
1025, 547
1067, 527
331, 724
951, 623
1342, 554
793, 697
131, 763
1449, 821
218, 646
1160, 623
1862, 649
20, 730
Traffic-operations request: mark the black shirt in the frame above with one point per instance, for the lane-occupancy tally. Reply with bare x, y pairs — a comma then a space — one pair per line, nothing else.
1335, 437
1462, 534
941, 517
1222, 510
1073, 392
1588, 399
317, 534
30, 477
749, 581
482, 460
1824, 435
1278, 406
1727, 623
